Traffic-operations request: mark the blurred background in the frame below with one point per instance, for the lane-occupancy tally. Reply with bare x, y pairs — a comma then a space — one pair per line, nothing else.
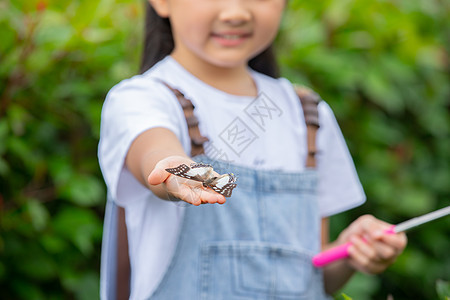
382, 65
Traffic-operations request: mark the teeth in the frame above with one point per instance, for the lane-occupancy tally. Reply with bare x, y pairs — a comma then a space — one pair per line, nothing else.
231, 37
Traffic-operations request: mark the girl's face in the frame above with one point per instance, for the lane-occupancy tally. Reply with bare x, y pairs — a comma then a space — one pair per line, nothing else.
223, 33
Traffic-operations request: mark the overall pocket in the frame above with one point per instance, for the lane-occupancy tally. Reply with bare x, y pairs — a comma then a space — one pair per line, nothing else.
253, 270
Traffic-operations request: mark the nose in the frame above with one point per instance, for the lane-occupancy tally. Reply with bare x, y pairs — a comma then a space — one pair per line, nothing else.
235, 12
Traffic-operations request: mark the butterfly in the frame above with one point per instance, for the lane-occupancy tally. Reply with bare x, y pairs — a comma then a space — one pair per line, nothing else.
222, 184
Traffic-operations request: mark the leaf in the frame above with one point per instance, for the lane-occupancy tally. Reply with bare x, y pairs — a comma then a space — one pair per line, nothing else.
38, 265
345, 297
414, 201
381, 90
54, 31
53, 244
25, 289
38, 61
361, 286
84, 190
38, 214
443, 289
80, 226
4, 168
84, 286
98, 35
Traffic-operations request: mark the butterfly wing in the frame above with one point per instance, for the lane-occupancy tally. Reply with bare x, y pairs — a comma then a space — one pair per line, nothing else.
198, 172
223, 184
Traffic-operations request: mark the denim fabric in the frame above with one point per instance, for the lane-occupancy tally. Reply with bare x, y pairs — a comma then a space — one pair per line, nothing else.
258, 245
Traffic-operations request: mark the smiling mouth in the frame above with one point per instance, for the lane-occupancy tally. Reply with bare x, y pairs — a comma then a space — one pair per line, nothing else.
231, 36
230, 39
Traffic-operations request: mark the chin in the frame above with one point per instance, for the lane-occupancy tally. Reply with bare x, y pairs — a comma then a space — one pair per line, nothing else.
229, 63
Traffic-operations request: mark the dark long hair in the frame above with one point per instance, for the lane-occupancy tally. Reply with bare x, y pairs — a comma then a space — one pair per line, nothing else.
158, 43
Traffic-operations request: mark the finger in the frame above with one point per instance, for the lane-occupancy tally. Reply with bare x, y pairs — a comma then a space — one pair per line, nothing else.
360, 227
158, 176
188, 194
385, 252
210, 196
397, 241
159, 173
357, 259
372, 226
222, 199
183, 189
207, 195
371, 258
193, 192
363, 247
376, 251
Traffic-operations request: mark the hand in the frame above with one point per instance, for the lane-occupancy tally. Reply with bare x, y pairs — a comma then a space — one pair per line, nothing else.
372, 250
190, 191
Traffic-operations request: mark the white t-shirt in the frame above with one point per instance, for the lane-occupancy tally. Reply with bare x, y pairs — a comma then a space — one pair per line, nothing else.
266, 132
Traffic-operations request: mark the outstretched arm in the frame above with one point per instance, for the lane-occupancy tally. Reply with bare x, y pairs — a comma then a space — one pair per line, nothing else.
157, 149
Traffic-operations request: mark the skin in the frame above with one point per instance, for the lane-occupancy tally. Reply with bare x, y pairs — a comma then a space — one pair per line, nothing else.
199, 36
214, 41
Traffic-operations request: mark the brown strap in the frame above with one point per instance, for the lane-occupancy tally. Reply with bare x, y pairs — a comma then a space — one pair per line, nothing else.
123, 259
310, 101
197, 139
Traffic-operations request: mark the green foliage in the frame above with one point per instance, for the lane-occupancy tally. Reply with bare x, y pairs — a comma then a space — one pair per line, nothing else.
343, 297
443, 289
383, 66
57, 62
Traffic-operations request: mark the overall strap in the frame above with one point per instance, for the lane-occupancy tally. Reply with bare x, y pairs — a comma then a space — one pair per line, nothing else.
310, 101
197, 139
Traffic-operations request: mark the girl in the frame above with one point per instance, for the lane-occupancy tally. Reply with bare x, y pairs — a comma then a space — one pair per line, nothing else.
258, 244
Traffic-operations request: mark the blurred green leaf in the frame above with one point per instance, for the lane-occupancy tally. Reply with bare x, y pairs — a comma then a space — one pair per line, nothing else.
27, 290
443, 289
38, 266
85, 286
413, 201
38, 213
361, 287
84, 190
344, 297
53, 244
79, 226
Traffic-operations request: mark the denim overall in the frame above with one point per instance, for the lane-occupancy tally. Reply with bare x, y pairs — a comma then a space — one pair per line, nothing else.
259, 244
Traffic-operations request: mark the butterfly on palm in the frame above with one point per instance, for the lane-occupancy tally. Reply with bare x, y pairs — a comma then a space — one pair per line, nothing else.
222, 184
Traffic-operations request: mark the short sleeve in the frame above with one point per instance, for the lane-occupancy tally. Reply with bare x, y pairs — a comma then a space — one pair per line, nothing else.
132, 107
339, 185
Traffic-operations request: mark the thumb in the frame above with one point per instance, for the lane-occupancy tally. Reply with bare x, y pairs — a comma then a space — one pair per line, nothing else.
157, 176
159, 173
